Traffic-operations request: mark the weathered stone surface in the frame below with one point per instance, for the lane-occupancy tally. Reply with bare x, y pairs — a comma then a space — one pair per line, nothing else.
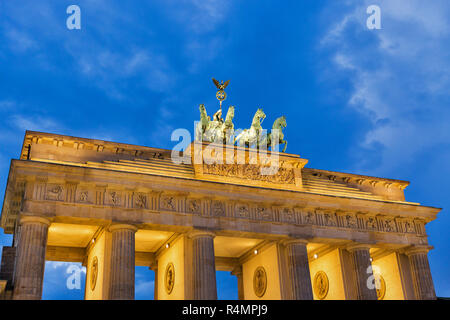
110, 186
298, 270
122, 262
29, 275
421, 274
7, 266
204, 269
362, 270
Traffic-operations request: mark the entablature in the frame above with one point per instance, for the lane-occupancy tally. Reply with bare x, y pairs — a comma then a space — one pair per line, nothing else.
47, 184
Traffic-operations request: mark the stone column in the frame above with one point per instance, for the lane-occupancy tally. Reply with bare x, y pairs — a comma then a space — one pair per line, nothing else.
203, 265
297, 264
421, 273
362, 268
30, 263
7, 268
154, 267
122, 262
238, 273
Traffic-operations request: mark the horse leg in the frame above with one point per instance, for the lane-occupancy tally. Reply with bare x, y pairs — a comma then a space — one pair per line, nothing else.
285, 145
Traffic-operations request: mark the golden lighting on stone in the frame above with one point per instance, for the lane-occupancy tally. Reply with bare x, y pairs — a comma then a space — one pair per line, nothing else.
169, 277
70, 235
321, 285
76, 188
380, 286
233, 246
94, 272
151, 240
260, 281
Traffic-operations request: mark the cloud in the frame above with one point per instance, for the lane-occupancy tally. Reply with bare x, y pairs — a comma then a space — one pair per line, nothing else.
144, 287
65, 266
7, 105
96, 59
19, 41
400, 77
199, 16
107, 68
35, 123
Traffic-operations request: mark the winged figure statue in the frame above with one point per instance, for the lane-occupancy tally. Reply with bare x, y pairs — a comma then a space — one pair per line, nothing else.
221, 85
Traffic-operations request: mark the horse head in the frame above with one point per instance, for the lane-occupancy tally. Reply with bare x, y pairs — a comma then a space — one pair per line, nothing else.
202, 109
230, 113
259, 115
280, 123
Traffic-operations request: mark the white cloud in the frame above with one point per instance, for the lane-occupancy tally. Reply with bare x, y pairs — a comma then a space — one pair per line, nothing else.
400, 76
7, 105
198, 16
66, 266
144, 287
97, 62
34, 123
19, 41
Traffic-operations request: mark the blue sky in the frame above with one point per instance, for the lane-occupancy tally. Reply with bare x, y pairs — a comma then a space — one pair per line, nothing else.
373, 102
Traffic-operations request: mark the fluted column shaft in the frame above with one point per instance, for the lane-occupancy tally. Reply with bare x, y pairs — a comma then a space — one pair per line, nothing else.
421, 274
155, 287
204, 266
30, 263
298, 270
363, 271
238, 273
122, 262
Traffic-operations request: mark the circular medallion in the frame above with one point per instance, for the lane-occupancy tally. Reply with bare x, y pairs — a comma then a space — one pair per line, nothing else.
260, 281
169, 278
221, 95
380, 285
94, 272
321, 285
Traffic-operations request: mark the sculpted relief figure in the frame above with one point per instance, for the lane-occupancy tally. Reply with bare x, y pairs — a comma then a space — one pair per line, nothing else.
215, 130
218, 130
275, 136
251, 137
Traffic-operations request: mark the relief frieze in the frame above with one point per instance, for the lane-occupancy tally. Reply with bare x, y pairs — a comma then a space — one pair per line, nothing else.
219, 208
242, 211
250, 172
263, 213
114, 198
287, 215
168, 202
309, 217
140, 200
194, 206
54, 192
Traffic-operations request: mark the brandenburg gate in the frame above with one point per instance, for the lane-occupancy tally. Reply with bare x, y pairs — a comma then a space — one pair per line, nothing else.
299, 233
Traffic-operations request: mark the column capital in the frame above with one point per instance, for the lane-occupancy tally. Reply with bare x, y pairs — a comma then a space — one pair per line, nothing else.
200, 233
358, 246
120, 226
292, 241
417, 250
237, 271
153, 266
35, 219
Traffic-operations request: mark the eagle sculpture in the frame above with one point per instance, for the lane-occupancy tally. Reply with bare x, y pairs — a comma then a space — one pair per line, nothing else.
220, 86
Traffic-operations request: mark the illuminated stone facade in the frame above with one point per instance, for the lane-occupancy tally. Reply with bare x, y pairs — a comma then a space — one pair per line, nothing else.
300, 234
